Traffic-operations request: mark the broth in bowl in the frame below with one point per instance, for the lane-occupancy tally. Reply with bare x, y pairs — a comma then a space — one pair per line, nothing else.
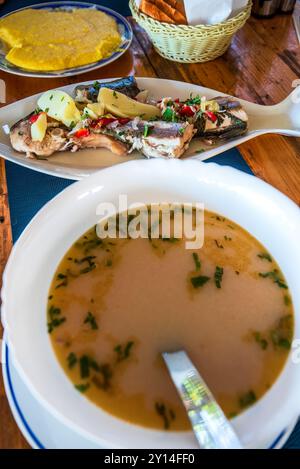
115, 304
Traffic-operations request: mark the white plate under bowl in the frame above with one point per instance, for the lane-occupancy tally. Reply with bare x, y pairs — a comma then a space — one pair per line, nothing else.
123, 27
266, 213
43, 431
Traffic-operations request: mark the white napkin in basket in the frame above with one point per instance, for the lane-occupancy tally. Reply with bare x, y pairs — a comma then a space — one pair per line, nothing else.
212, 11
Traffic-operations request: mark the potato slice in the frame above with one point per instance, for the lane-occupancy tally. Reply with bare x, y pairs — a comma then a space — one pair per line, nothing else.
87, 112
39, 128
120, 105
60, 106
93, 110
97, 108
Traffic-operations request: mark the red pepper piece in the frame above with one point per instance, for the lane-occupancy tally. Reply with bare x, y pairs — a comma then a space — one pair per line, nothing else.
186, 111
123, 120
212, 116
82, 133
34, 118
103, 122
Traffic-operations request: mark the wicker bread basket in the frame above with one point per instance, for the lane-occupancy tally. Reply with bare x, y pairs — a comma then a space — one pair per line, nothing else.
190, 44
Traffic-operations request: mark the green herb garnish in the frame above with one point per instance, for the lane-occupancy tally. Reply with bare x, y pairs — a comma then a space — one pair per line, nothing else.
55, 318
64, 279
90, 243
219, 245
146, 130
103, 379
196, 261
282, 335
167, 415
247, 399
96, 85
218, 276
123, 351
274, 275
61, 276
287, 300
169, 115
82, 387
84, 366
192, 101
262, 342
89, 260
265, 256
91, 320
88, 269
199, 281
72, 360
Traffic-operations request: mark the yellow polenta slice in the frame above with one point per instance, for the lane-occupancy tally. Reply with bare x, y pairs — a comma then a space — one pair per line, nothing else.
44, 58
98, 19
37, 27
54, 40
103, 37
53, 57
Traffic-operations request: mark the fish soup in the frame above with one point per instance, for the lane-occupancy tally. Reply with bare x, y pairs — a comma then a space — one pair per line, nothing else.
115, 304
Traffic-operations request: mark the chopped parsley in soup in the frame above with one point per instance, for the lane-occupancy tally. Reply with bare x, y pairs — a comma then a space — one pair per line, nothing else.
115, 304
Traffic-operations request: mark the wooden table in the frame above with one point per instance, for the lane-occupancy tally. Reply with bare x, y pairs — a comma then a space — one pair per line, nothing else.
260, 66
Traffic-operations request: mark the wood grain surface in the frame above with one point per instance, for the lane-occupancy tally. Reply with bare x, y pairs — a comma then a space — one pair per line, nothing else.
260, 66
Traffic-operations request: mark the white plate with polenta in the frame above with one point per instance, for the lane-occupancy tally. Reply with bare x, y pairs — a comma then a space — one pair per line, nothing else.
59, 39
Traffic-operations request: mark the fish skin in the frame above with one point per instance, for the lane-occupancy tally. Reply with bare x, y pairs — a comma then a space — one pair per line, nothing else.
231, 115
89, 93
162, 139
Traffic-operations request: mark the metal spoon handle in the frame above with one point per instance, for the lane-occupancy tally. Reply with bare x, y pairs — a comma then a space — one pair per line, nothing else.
211, 427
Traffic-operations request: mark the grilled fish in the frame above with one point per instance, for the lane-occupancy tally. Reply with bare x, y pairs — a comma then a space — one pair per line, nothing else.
166, 136
89, 93
229, 121
58, 138
155, 138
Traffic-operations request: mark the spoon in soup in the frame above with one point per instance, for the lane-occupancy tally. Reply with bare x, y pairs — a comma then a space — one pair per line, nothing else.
211, 427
